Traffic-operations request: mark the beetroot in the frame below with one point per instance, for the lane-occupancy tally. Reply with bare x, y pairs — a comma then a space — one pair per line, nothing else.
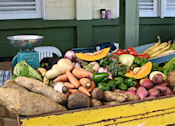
154, 92
157, 77
147, 83
142, 92
164, 90
129, 92
132, 89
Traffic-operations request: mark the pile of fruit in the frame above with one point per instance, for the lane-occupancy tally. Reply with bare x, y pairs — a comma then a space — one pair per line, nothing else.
81, 80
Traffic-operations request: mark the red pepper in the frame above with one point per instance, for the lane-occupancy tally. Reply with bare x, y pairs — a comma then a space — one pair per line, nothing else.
132, 51
119, 52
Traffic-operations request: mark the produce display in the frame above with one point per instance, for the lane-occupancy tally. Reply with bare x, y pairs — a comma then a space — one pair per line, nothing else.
82, 80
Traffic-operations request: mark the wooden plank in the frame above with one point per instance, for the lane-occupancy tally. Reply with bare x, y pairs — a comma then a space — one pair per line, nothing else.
109, 115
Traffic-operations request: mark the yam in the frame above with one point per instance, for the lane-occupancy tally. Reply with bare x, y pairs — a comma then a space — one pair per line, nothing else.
113, 96
95, 102
12, 84
27, 103
97, 93
78, 100
41, 88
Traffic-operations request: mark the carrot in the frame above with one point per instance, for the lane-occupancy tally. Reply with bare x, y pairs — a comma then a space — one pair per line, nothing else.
73, 80
81, 73
61, 78
92, 86
85, 82
71, 91
84, 90
69, 85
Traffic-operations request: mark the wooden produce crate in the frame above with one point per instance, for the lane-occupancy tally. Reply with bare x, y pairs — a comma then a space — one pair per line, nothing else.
160, 111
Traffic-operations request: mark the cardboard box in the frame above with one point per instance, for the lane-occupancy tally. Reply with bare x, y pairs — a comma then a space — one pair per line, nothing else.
5, 65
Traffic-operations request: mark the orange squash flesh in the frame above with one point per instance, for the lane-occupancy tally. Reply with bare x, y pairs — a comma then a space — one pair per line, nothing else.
93, 56
142, 72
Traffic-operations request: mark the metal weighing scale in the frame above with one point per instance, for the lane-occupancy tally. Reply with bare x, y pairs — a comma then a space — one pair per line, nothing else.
26, 43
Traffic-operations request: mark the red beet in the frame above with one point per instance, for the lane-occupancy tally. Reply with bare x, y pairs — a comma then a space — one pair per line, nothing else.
154, 92
132, 89
142, 92
147, 83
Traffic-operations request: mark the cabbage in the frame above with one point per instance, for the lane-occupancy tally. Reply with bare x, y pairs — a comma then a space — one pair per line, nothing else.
126, 59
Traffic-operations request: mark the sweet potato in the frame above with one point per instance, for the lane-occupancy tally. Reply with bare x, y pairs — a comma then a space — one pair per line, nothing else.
41, 88
12, 84
27, 103
78, 100
154, 92
97, 93
112, 96
95, 102
142, 92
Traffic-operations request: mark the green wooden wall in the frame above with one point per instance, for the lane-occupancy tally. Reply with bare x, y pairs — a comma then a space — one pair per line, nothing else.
67, 34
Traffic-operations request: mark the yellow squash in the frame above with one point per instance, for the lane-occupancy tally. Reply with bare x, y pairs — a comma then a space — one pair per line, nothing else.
93, 56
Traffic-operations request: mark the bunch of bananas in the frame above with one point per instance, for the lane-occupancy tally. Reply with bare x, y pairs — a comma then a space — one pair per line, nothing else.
158, 49
24, 69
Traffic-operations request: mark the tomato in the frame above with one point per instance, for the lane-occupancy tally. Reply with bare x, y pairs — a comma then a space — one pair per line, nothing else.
126, 52
141, 56
119, 52
132, 51
144, 56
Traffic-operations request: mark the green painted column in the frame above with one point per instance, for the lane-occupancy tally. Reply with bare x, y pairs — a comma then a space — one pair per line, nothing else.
84, 34
129, 23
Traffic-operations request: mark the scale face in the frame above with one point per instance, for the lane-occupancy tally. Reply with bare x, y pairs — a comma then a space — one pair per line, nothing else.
28, 42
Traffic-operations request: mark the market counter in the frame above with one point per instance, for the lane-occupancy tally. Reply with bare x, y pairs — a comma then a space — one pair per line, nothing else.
160, 111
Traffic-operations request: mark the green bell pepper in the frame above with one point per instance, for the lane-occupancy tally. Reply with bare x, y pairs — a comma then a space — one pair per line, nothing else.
104, 86
118, 80
133, 66
130, 82
100, 77
121, 73
137, 60
112, 84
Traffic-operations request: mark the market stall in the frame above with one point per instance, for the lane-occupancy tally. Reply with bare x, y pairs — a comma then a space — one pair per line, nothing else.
126, 87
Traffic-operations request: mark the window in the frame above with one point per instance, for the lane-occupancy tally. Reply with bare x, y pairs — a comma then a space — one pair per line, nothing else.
157, 8
20, 9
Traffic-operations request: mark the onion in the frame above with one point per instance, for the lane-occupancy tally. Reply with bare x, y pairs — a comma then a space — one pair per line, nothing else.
70, 55
102, 70
96, 66
77, 65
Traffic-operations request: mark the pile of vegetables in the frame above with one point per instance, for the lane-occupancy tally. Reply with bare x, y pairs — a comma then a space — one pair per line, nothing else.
73, 83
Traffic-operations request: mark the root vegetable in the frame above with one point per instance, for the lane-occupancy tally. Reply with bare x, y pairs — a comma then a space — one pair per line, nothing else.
129, 92
71, 91
78, 100
69, 85
77, 65
164, 90
112, 103
73, 80
112, 96
142, 92
70, 55
59, 68
117, 91
154, 92
40, 88
165, 84
84, 90
157, 77
132, 89
96, 66
97, 93
171, 79
61, 78
81, 73
12, 84
102, 70
147, 83
27, 103
59, 86
132, 97
85, 82
92, 86
95, 102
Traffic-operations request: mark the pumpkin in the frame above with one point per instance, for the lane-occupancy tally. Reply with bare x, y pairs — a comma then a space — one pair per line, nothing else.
141, 72
93, 56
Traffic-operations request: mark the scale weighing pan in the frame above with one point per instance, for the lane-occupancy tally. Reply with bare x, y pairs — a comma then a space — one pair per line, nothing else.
28, 41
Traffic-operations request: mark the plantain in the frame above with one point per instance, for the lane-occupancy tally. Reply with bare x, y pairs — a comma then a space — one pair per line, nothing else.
41, 70
163, 50
154, 46
160, 47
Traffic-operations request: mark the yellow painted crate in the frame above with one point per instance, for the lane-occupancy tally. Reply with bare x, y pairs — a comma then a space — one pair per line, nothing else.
157, 112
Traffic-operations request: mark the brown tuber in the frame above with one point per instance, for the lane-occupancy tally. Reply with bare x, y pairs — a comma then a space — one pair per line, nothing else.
97, 93
171, 79
147, 83
95, 102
